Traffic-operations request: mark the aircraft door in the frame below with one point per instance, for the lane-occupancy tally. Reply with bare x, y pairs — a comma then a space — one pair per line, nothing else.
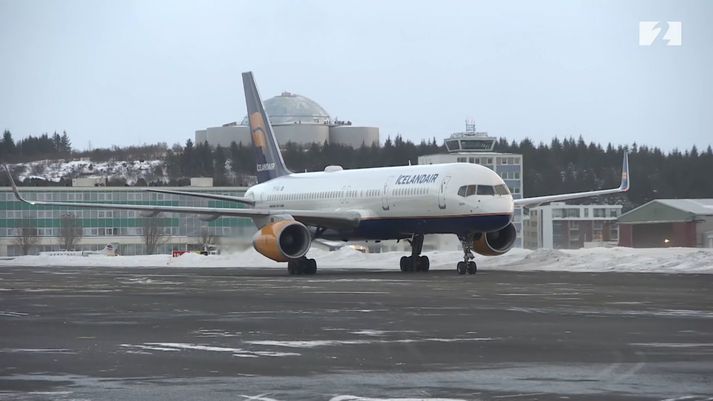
345, 194
385, 194
442, 192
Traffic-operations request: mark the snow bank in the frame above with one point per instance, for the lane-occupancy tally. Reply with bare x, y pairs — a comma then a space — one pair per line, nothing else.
656, 260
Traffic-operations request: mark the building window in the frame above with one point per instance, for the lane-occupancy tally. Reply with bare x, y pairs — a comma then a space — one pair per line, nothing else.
462, 159
572, 212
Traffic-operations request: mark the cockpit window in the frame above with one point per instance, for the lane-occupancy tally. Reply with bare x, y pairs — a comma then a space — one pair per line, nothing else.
470, 190
486, 190
502, 189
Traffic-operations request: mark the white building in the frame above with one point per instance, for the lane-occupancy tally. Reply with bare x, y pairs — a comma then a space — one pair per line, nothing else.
295, 119
477, 147
562, 226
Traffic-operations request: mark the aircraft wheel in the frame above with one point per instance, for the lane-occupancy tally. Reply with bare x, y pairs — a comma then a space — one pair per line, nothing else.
411, 265
403, 263
293, 267
461, 268
423, 263
472, 267
310, 266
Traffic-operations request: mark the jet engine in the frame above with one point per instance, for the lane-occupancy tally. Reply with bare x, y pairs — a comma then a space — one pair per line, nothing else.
283, 240
496, 242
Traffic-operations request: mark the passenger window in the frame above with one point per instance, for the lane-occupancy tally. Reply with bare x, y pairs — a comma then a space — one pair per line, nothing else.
470, 191
486, 190
461, 191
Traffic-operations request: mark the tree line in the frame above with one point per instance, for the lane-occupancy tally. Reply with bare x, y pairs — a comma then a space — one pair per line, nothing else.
567, 165
34, 147
562, 165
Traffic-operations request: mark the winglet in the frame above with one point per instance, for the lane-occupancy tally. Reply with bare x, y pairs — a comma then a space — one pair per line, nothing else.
625, 173
14, 187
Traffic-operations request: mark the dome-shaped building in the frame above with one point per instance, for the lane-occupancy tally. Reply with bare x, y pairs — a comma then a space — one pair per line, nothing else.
294, 118
291, 108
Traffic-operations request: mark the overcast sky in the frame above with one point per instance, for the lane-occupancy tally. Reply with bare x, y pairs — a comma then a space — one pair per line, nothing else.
132, 72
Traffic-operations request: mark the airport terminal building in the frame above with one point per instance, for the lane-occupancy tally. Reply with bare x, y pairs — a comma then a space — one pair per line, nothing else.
562, 226
123, 227
295, 119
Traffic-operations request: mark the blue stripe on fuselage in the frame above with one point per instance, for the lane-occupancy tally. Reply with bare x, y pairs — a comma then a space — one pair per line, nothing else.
389, 228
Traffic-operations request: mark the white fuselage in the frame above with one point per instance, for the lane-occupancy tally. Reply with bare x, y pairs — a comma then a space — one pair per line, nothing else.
395, 196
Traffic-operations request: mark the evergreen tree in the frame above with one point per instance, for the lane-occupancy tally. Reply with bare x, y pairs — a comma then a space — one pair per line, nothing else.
219, 177
7, 146
65, 143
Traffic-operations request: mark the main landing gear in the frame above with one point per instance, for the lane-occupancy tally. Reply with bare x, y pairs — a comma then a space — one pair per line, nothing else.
302, 266
416, 262
468, 264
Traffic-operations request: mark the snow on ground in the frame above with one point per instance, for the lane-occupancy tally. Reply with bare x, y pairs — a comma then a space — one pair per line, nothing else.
655, 260
55, 170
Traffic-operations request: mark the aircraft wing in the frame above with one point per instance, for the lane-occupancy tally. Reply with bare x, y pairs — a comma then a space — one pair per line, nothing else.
238, 199
337, 220
623, 187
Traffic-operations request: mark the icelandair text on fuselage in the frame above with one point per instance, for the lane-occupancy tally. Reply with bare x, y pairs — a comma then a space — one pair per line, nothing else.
416, 179
265, 166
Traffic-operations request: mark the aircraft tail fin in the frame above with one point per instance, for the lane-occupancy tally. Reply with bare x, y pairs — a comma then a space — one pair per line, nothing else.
267, 152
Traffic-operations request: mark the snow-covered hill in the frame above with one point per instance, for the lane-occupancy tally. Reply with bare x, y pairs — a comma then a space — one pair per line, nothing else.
56, 170
656, 260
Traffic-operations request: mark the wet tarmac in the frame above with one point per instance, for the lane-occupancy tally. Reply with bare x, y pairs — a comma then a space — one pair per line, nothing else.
259, 334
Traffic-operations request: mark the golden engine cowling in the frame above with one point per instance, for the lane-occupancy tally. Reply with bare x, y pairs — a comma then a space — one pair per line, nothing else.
283, 240
496, 242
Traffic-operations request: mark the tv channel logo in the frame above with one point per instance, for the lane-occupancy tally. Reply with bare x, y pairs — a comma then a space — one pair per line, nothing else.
668, 31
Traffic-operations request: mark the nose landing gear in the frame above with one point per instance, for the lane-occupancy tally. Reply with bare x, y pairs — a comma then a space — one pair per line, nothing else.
468, 264
416, 262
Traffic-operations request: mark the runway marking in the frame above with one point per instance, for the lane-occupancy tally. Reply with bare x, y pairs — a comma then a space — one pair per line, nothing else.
356, 398
237, 352
369, 332
349, 292
215, 333
149, 347
39, 350
259, 397
518, 395
327, 343
12, 314
146, 280
672, 345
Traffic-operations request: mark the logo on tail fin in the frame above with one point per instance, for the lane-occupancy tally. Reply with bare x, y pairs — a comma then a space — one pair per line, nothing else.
257, 126
267, 151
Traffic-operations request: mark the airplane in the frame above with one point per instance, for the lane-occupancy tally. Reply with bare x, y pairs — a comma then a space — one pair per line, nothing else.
291, 210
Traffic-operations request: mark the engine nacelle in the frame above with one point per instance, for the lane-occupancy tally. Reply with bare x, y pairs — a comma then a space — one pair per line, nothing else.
283, 240
496, 242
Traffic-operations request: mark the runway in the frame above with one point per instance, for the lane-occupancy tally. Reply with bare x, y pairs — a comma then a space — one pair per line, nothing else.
234, 334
